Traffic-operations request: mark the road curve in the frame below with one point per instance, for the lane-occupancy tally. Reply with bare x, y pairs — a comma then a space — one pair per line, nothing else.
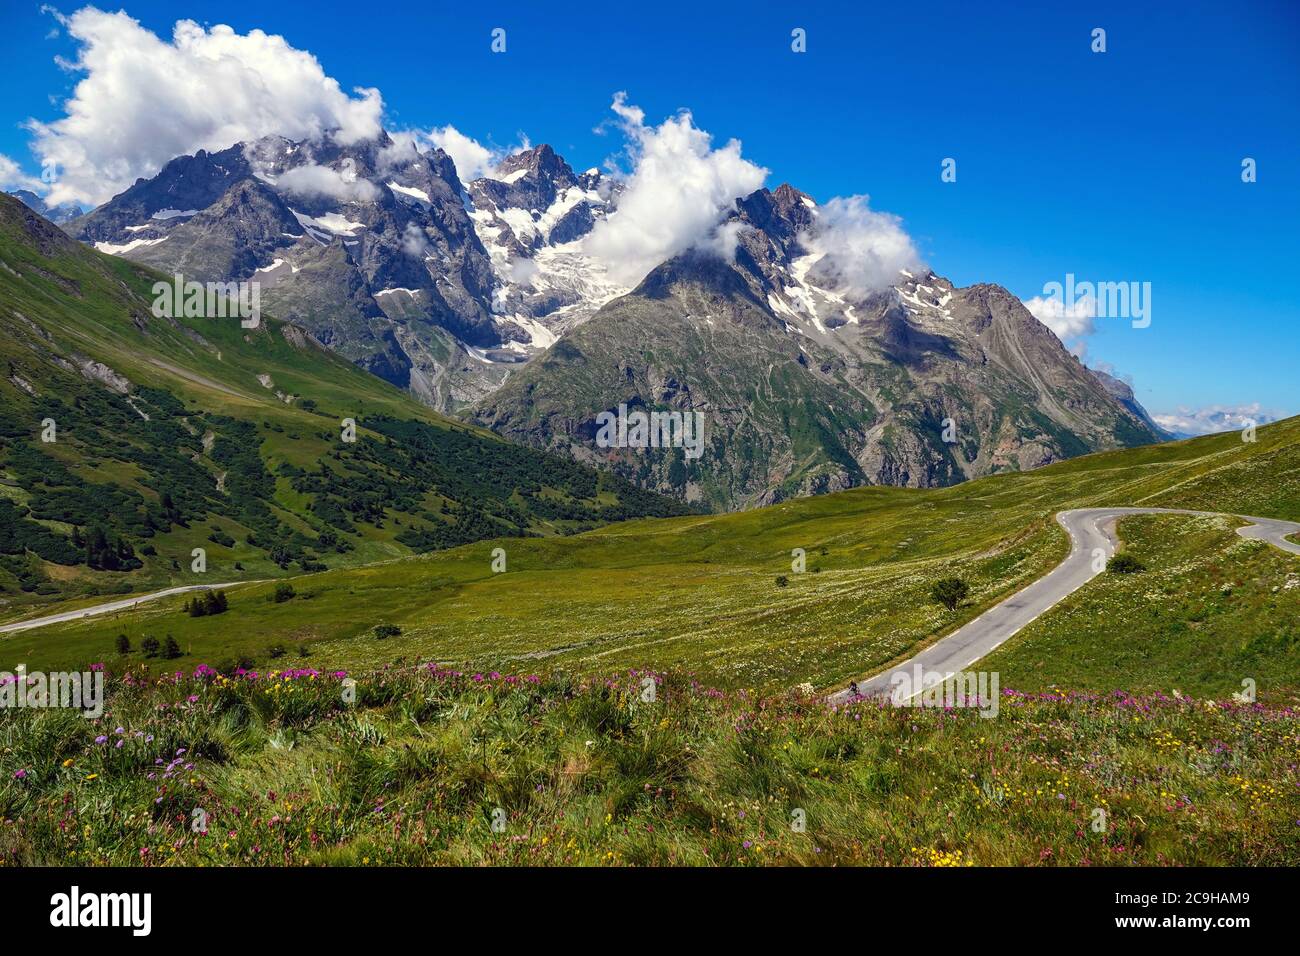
110, 607
1090, 529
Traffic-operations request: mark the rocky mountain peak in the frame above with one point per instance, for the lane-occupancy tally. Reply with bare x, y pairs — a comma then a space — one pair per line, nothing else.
454, 290
540, 162
781, 214
57, 214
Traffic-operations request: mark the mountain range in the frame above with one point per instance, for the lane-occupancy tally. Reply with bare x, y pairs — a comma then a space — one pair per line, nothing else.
483, 300
60, 213
129, 439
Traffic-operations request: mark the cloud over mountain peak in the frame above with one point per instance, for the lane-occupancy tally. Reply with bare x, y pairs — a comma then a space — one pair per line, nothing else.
206, 88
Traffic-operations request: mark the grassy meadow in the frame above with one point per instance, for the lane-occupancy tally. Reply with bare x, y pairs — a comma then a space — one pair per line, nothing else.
700, 594
504, 717
128, 439
1211, 610
431, 766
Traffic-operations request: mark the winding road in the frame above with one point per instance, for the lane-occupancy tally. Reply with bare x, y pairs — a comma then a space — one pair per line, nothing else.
125, 604
1092, 543
1092, 540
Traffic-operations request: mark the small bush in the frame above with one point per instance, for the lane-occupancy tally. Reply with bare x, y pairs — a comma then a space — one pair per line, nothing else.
950, 592
150, 646
283, 592
210, 602
1125, 564
383, 631
171, 649
782, 580
274, 651
123, 644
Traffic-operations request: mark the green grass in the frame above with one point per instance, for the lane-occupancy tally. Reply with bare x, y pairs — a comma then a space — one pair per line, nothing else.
1211, 611
198, 404
698, 594
416, 771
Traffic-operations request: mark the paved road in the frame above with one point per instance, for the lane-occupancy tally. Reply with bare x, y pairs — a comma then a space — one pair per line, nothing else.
109, 608
1089, 529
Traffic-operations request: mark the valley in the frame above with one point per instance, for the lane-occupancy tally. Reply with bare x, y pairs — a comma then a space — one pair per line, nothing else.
702, 594
651, 439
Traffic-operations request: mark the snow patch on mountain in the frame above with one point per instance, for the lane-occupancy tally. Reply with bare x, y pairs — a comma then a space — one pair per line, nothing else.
409, 191
116, 249
533, 216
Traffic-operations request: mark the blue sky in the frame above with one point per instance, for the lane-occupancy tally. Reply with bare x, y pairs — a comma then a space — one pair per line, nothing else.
1120, 166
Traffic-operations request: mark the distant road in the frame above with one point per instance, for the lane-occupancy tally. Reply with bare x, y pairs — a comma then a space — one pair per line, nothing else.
123, 605
1089, 529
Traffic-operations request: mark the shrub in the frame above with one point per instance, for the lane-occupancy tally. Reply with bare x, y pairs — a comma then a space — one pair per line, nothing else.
383, 631
171, 650
274, 651
283, 592
950, 592
123, 644
150, 646
1125, 564
782, 580
211, 602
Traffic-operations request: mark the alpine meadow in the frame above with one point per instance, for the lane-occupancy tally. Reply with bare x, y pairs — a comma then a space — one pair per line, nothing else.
642, 493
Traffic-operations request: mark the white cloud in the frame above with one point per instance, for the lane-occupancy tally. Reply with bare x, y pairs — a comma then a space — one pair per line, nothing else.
679, 190
473, 160
521, 271
1214, 418
414, 242
313, 180
144, 100
862, 251
725, 239
399, 154
13, 177
1068, 322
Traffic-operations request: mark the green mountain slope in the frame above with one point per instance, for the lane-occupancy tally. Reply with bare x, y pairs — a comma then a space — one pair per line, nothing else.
701, 593
128, 440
